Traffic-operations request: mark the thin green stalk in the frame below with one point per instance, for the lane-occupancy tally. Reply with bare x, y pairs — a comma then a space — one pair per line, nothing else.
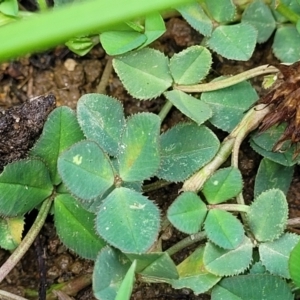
155, 185
188, 241
42, 4
287, 12
105, 76
27, 241
165, 110
56, 26
229, 81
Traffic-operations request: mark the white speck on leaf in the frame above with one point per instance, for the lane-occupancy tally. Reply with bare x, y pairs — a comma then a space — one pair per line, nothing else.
77, 159
137, 206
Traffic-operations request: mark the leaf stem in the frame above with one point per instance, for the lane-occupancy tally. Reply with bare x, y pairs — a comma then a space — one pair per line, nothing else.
165, 110
196, 182
155, 185
229, 81
28, 240
230, 207
42, 5
232, 143
287, 12
249, 123
105, 76
188, 241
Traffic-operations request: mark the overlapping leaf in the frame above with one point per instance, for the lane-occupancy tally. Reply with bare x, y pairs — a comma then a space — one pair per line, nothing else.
192, 107
267, 216
73, 224
128, 221
144, 73
102, 119
234, 41
184, 149
86, 170
138, 154
61, 131
187, 213
24, 184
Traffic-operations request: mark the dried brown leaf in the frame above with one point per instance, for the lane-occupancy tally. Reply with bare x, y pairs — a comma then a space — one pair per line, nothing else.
283, 99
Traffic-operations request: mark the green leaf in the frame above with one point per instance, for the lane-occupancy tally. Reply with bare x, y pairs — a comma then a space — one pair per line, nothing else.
128, 221
73, 223
193, 274
275, 255
222, 262
234, 41
294, 264
41, 33
286, 44
222, 11
137, 26
102, 120
144, 73
223, 229
292, 5
11, 232
158, 266
110, 269
126, 286
6, 19
196, 17
154, 27
257, 268
272, 175
24, 184
267, 215
119, 42
60, 131
259, 15
191, 65
86, 170
81, 45
185, 148
58, 3
252, 287
223, 185
138, 149
9, 7
190, 106
264, 142
229, 104
187, 213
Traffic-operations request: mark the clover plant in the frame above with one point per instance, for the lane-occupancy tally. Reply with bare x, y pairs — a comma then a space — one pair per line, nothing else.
88, 168
91, 165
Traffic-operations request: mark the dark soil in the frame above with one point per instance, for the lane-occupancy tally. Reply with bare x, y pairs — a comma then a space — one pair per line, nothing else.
68, 77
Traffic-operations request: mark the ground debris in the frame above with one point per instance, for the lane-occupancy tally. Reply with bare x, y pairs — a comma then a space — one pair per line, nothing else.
20, 127
284, 102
